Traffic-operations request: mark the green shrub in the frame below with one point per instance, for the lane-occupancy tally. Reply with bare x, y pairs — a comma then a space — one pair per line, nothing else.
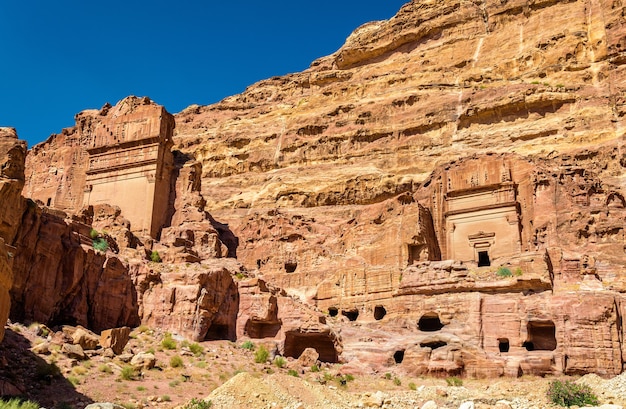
198, 404
412, 386
168, 342
248, 345
315, 368
261, 355
349, 377
387, 375
293, 372
105, 369
100, 244
166, 398
397, 381
18, 404
569, 394
176, 362
93, 233
196, 349
280, 362
518, 271
73, 380
454, 381
154, 256
503, 272
45, 370
128, 373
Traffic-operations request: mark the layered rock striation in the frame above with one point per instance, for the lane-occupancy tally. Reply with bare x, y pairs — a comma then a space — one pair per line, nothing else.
447, 188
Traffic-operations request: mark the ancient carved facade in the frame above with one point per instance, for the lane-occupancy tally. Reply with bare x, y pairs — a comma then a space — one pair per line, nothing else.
118, 155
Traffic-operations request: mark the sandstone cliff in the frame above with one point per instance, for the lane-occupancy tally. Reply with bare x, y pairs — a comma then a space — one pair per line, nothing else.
12, 154
448, 187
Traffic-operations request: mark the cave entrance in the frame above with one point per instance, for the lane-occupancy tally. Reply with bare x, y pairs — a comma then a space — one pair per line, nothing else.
379, 312
218, 332
433, 344
352, 314
261, 329
291, 266
417, 252
483, 259
398, 356
333, 311
503, 344
541, 336
430, 322
296, 343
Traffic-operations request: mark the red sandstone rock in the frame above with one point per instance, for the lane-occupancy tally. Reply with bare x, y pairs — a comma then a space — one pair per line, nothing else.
115, 338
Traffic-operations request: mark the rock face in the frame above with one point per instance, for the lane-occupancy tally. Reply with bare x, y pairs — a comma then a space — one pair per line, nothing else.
12, 154
453, 205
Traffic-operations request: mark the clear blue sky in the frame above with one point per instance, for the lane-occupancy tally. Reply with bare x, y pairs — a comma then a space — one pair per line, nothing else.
60, 57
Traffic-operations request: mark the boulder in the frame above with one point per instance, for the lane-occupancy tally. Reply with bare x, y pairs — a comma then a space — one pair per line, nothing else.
115, 338
308, 358
85, 338
143, 360
73, 351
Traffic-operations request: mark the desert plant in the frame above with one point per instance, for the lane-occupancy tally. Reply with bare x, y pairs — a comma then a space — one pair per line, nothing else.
176, 362
128, 373
100, 244
248, 345
388, 375
154, 256
196, 349
397, 381
105, 369
412, 386
569, 394
141, 388
503, 272
315, 368
166, 398
293, 372
46, 370
198, 404
168, 342
454, 381
18, 404
73, 380
94, 234
280, 362
261, 355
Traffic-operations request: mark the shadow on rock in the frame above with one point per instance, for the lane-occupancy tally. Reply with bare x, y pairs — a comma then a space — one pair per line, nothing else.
25, 375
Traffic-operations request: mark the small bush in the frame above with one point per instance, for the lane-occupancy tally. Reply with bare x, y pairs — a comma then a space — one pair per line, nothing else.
73, 380
280, 362
168, 342
196, 349
93, 233
141, 388
154, 256
569, 394
412, 386
128, 373
503, 272
315, 368
104, 368
176, 362
18, 404
166, 398
387, 376
100, 244
349, 377
293, 372
454, 381
45, 370
397, 381
248, 345
261, 355
518, 271
198, 404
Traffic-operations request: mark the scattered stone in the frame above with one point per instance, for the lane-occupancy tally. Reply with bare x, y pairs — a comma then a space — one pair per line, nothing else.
42, 348
143, 360
431, 404
73, 351
85, 338
308, 358
115, 338
467, 405
104, 405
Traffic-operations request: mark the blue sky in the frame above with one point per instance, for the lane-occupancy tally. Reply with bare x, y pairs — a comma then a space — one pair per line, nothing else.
60, 57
